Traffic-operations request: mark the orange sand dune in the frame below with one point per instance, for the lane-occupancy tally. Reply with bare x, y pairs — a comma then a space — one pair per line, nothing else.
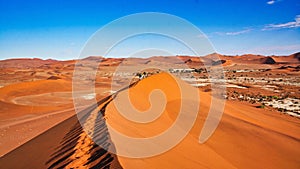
25, 63
294, 58
245, 138
255, 59
35, 87
30, 108
10, 108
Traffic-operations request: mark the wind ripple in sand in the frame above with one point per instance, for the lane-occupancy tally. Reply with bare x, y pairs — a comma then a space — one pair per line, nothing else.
78, 149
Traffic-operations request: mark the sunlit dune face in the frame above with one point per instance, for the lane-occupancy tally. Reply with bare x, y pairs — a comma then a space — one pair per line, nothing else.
141, 95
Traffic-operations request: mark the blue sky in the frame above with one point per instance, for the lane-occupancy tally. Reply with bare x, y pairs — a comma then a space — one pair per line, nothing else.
59, 29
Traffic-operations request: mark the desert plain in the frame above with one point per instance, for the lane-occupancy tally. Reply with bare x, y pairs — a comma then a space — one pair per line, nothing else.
259, 126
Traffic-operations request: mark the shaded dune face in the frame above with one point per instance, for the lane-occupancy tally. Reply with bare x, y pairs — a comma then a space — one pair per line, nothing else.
78, 148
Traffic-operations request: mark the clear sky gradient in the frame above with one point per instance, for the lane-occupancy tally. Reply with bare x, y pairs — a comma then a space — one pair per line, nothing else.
58, 29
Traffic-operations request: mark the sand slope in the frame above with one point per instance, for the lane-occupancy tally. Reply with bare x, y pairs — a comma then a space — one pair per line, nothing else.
245, 137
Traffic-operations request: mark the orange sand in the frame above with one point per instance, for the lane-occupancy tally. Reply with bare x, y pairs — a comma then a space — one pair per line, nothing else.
245, 138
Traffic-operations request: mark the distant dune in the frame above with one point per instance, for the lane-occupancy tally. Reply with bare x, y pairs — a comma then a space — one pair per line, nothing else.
189, 60
294, 58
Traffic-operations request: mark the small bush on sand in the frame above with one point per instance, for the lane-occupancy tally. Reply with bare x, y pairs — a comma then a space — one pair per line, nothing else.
260, 106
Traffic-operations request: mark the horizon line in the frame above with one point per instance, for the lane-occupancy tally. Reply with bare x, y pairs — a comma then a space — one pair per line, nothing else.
122, 57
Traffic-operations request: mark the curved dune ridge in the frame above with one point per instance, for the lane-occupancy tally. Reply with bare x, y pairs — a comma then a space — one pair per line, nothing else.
245, 137
18, 98
37, 87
